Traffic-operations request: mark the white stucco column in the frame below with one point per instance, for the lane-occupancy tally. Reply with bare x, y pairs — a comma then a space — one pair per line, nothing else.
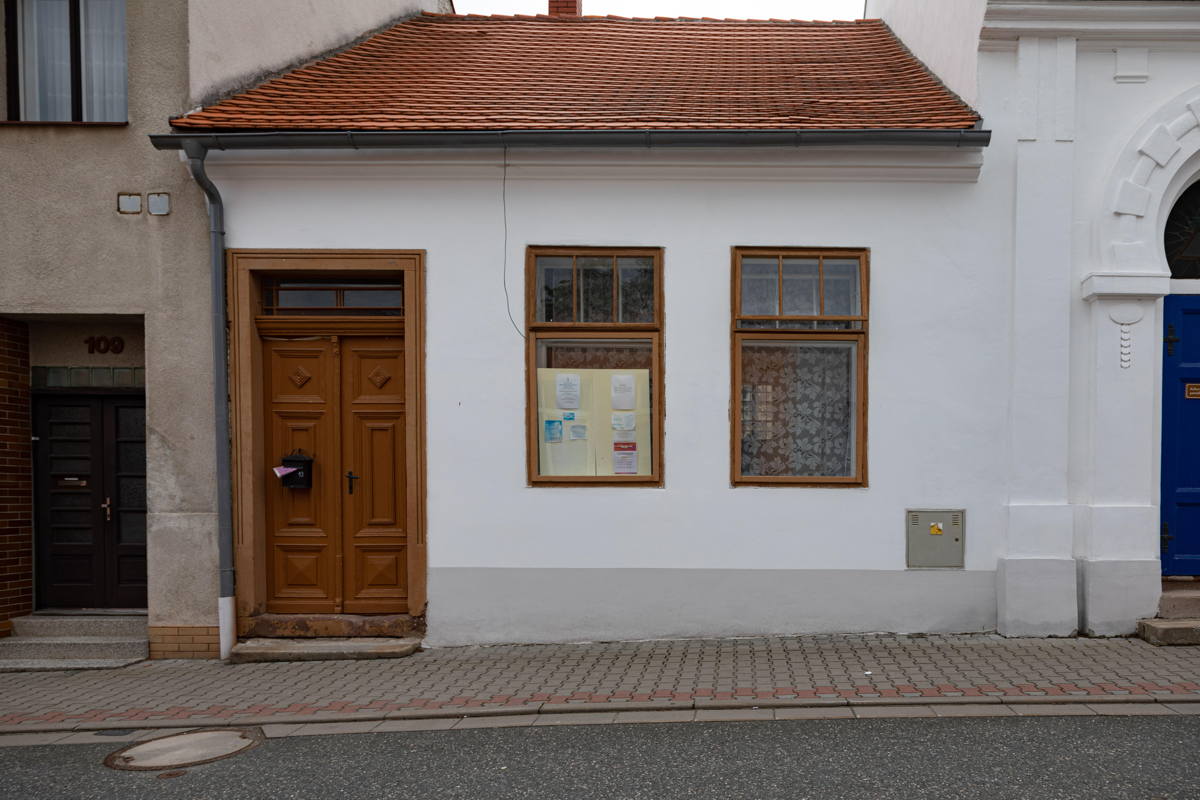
1117, 540
1036, 578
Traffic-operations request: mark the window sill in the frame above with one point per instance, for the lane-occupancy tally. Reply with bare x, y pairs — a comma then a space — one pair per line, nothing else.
36, 123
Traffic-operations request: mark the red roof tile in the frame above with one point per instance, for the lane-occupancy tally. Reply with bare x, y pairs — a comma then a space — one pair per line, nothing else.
475, 73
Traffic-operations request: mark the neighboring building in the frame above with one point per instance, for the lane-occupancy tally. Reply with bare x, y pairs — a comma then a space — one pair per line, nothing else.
104, 276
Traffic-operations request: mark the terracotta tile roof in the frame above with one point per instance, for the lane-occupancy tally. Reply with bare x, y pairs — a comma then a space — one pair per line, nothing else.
477, 73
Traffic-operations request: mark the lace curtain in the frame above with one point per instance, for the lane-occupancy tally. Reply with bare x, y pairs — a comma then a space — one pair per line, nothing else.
104, 84
798, 408
46, 60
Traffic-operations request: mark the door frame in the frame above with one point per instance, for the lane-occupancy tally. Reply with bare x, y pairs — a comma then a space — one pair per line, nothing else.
245, 270
40, 522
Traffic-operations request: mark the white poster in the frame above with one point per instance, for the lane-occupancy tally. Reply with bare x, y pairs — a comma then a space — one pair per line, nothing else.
623, 398
625, 463
576, 432
566, 390
625, 421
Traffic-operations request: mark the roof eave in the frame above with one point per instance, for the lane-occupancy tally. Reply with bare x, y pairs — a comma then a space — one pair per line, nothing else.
355, 140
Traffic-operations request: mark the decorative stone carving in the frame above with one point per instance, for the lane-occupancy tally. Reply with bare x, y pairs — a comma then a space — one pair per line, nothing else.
1126, 315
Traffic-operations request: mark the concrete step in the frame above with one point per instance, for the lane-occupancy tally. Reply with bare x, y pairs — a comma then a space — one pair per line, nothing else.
258, 650
74, 647
1179, 603
1170, 631
41, 626
59, 664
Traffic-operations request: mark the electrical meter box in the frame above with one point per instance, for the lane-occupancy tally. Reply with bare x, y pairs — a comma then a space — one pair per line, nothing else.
936, 537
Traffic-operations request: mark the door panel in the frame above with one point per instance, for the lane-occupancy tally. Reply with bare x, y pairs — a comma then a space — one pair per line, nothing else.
1180, 507
90, 479
301, 392
374, 448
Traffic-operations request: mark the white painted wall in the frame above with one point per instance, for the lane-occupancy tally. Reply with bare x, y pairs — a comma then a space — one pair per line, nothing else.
233, 43
942, 33
938, 372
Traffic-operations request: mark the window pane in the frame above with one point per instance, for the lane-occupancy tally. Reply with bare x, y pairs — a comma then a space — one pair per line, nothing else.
801, 287
841, 287
553, 289
46, 62
760, 286
798, 408
636, 299
307, 298
373, 298
102, 26
595, 412
595, 288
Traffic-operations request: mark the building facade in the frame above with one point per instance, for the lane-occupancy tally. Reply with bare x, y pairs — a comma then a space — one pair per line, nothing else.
107, 353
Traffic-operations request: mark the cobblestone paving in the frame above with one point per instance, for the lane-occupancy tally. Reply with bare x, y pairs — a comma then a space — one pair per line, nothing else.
696, 673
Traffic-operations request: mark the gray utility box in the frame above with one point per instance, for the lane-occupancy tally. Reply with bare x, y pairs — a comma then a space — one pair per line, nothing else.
936, 537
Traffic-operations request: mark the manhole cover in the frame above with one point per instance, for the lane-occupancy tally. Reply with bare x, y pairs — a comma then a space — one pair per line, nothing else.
185, 749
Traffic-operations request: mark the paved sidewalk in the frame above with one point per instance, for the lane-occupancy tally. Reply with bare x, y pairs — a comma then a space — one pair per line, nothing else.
688, 675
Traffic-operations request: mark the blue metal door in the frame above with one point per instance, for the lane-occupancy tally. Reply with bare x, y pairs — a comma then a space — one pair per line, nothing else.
1181, 436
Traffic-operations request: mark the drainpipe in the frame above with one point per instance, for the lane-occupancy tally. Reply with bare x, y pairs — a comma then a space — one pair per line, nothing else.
226, 610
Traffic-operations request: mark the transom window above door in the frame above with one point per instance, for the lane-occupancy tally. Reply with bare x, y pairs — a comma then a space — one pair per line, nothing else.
66, 60
351, 297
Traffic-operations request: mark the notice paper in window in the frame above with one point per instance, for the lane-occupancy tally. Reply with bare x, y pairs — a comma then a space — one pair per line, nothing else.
624, 421
623, 393
576, 432
566, 390
553, 431
625, 458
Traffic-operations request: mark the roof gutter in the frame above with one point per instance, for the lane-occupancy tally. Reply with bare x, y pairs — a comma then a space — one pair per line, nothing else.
356, 140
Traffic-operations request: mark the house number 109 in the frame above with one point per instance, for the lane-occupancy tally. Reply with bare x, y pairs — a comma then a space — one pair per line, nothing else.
104, 344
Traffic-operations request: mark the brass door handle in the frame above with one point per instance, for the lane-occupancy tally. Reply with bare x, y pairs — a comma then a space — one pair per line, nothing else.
107, 506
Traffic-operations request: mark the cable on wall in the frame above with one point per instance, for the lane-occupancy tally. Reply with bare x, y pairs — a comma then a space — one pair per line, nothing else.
504, 214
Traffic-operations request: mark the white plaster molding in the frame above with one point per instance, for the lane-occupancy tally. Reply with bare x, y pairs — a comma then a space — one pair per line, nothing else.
1122, 286
1128, 227
1123, 22
1064, 89
1132, 65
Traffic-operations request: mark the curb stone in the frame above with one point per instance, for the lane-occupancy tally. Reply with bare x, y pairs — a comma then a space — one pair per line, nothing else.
570, 708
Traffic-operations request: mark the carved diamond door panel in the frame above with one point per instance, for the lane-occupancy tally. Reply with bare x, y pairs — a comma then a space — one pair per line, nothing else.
340, 546
374, 450
301, 391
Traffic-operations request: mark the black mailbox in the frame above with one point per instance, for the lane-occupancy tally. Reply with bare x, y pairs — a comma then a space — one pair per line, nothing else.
301, 477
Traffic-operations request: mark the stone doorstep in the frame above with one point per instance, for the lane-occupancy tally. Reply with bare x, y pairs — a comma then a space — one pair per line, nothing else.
332, 649
1170, 632
571, 708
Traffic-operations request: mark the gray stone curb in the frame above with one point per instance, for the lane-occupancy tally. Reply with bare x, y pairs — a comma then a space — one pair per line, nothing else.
574, 708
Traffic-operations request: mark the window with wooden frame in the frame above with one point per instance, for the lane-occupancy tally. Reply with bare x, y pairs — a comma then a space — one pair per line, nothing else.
594, 320
799, 366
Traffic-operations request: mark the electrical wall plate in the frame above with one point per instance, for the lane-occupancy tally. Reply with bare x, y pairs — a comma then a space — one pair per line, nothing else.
129, 203
936, 538
158, 204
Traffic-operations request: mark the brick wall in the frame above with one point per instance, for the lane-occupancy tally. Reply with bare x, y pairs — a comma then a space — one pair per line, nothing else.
16, 476
566, 8
187, 642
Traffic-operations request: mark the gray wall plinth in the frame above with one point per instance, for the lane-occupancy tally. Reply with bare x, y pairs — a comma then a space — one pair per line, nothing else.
480, 605
181, 553
1036, 597
1117, 593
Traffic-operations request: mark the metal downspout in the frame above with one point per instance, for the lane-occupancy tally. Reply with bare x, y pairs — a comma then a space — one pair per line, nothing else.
226, 615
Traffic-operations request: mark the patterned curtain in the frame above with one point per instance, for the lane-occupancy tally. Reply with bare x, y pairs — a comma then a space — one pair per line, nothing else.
798, 408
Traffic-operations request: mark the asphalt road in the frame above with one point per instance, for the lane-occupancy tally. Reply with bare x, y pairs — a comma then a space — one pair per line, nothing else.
1026, 758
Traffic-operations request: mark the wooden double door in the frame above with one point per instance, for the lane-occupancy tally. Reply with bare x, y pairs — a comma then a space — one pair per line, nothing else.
341, 546
90, 487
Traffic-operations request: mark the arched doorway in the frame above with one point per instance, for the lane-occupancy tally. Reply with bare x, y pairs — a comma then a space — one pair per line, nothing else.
1180, 477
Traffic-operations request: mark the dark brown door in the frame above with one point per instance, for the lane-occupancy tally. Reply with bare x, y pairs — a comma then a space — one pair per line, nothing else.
90, 479
341, 546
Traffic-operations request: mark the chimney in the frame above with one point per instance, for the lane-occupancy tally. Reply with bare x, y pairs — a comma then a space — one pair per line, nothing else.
566, 8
